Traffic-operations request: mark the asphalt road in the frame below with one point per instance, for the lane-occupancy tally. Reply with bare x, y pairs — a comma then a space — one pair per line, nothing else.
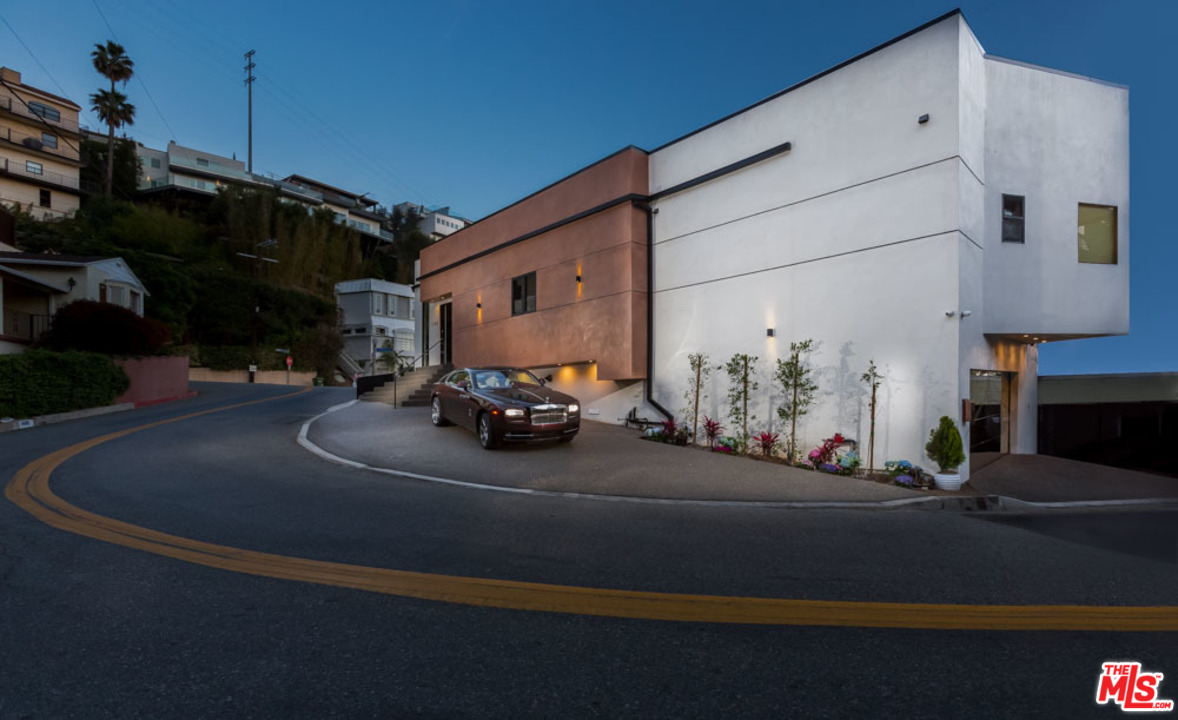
92, 629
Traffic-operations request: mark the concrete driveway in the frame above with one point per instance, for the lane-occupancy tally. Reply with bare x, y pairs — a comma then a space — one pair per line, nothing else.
602, 460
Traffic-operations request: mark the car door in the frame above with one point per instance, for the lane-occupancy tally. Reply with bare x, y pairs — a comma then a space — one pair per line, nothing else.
455, 402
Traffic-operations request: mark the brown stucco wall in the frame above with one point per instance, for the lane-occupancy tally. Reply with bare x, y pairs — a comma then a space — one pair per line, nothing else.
603, 319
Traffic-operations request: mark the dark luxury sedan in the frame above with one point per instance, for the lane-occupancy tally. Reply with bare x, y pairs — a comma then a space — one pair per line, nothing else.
504, 404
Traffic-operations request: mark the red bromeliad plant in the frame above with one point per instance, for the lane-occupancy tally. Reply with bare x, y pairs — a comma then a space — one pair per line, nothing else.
768, 442
669, 427
712, 429
825, 452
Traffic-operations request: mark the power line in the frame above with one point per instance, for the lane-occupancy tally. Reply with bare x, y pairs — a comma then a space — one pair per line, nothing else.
36, 60
138, 75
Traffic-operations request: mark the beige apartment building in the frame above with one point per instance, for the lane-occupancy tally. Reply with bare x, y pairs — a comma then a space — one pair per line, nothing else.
39, 149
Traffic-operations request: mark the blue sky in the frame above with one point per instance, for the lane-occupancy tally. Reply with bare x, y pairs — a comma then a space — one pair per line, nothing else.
476, 104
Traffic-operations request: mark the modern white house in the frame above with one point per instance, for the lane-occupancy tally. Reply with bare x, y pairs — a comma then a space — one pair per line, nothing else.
437, 223
925, 206
378, 322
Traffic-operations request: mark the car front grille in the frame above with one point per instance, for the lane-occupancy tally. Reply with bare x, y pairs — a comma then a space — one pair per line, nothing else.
550, 414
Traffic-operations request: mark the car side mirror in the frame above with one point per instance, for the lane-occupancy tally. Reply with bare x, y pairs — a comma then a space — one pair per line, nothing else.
546, 379
463, 384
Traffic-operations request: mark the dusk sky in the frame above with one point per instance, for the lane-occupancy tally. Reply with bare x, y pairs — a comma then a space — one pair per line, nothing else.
477, 104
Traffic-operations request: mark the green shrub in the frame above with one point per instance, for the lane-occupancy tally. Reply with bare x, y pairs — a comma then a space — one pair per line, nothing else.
41, 382
100, 327
944, 445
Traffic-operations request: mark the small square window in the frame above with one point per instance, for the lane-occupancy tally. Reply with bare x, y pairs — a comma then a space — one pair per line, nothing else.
1013, 220
523, 294
49, 141
201, 162
1096, 234
46, 199
33, 168
155, 162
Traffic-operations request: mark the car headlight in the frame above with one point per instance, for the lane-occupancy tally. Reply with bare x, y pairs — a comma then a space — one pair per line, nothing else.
513, 412
574, 408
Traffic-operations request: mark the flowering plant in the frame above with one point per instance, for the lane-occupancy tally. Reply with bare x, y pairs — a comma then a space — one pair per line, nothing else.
829, 468
767, 442
906, 481
824, 453
712, 429
729, 445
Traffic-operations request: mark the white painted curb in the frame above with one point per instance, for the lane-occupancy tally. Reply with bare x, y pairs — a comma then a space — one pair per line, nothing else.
1004, 501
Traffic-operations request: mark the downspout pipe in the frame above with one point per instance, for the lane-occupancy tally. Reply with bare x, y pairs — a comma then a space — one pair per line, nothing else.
645, 206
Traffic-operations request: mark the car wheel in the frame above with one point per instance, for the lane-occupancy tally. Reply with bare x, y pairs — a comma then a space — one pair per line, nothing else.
435, 413
486, 434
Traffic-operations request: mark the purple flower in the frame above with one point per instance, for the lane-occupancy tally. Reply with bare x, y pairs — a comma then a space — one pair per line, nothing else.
905, 480
828, 467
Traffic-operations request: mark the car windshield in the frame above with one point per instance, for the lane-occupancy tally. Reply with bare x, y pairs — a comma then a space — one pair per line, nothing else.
486, 379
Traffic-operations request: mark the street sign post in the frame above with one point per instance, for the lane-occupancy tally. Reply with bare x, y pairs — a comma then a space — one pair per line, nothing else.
289, 362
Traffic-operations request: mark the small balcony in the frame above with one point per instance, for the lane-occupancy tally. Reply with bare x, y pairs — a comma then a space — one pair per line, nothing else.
22, 170
33, 143
21, 110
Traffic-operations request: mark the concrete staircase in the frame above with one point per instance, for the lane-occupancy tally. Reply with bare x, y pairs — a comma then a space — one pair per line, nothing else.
412, 388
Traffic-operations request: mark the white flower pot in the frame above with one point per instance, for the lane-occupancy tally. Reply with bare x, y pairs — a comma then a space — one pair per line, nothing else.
948, 481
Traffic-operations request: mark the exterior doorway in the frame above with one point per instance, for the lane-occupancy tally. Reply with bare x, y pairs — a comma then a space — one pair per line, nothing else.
445, 330
989, 425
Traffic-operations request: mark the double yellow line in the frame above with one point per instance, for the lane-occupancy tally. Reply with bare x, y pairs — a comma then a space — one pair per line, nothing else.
30, 490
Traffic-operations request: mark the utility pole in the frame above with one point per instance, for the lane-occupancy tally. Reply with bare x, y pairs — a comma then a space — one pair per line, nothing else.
249, 84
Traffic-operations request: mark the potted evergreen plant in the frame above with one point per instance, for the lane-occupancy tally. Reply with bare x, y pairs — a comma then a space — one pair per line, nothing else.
944, 447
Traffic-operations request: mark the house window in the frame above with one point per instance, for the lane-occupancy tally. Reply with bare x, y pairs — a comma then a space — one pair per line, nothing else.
49, 141
155, 162
1013, 222
46, 199
1096, 234
523, 294
115, 295
377, 304
44, 111
33, 168
202, 162
136, 302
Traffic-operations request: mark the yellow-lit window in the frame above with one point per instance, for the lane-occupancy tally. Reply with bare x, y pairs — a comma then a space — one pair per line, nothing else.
1097, 234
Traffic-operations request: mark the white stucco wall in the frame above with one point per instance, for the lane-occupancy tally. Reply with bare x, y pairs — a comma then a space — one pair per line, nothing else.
850, 239
1059, 140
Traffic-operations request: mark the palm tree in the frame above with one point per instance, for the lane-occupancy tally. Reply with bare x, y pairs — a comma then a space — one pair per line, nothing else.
114, 110
111, 61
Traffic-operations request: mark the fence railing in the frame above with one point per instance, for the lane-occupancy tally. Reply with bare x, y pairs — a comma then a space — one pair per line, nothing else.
23, 325
64, 150
17, 107
36, 172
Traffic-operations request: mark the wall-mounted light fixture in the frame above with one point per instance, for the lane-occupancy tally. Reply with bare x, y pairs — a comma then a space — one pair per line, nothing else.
578, 277
950, 313
922, 119
478, 305
966, 313
71, 282
770, 332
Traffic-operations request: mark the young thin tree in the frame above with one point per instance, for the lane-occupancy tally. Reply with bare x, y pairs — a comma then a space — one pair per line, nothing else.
741, 382
798, 388
696, 389
111, 62
873, 379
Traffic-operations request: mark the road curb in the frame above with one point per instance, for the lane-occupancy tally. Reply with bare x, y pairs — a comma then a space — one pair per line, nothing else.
23, 423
